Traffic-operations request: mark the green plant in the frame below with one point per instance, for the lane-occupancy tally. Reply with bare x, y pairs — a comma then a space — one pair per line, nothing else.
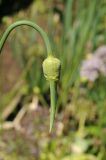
70, 41
51, 66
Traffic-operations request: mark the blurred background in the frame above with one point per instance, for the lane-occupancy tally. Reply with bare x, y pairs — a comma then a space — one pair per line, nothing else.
77, 32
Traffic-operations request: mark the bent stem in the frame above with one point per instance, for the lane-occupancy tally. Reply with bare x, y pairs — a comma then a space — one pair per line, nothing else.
53, 103
30, 24
49, 52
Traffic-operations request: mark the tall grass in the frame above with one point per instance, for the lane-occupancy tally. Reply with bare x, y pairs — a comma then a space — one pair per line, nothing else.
79, 27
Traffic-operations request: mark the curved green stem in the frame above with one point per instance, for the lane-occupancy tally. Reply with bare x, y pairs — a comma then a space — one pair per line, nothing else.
28, 23
49, 52
53, 103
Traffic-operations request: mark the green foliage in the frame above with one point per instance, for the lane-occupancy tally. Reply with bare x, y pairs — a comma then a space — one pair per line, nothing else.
80, 22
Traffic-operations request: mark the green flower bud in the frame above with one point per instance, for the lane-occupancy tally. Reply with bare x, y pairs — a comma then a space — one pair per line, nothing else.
51, 68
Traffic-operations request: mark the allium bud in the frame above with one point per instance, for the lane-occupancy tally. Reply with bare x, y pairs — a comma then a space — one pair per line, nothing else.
51, 68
